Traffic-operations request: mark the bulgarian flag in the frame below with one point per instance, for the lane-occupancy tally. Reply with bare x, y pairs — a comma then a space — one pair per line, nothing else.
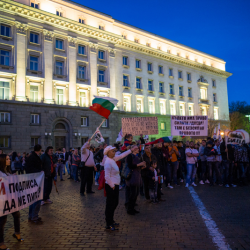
103, 105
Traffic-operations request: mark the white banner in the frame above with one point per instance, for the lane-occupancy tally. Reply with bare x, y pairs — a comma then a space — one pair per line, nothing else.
20, 191
189, 125
98, 137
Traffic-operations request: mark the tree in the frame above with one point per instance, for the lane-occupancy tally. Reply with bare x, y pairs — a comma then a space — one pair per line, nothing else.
241, 107
239, 121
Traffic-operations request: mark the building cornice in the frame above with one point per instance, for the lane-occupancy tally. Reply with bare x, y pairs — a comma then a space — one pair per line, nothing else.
14, 8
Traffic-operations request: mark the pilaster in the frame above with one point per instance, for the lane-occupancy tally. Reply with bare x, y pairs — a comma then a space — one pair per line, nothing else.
93, 70
112, 82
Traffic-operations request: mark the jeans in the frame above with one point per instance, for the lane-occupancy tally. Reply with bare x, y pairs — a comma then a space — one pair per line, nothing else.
214, 167
203, 170
97, 175
74, 170
47, 187
146, 188
153, 192
172, 172
191, 172
228, 167
181, 169
86, 178
3, 220
131, 194
34, 210
59, 168
112, 201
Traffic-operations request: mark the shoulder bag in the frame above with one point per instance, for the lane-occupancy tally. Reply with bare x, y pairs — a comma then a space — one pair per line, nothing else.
82, 165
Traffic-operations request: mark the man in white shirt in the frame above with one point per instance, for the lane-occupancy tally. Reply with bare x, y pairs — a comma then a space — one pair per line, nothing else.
191, 158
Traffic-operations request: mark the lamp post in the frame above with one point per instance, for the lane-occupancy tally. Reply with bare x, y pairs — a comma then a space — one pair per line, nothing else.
248, 117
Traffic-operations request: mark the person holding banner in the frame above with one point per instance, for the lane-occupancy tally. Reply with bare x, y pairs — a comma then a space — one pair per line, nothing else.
4, 163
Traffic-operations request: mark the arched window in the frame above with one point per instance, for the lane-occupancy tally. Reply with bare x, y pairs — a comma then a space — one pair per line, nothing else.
60, 126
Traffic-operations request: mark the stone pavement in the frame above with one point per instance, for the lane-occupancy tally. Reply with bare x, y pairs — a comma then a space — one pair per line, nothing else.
73, 222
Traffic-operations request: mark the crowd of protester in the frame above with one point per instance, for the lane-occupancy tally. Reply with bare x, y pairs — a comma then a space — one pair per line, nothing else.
135, 166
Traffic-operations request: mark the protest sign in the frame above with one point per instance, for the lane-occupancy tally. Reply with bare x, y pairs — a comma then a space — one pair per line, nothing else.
98, 137
238, 136
189, 125
140, 125
20, 191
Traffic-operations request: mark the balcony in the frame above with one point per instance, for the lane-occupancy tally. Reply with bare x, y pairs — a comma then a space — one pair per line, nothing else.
150, 72
181, 96
138, 69
203, 101
102, 83
180, 79
82, 79
125, 66
189, 81
171, 77
160, 74
6, 67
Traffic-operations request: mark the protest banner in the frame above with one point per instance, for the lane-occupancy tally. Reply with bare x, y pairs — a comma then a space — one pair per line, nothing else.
20, 191
189, 125
238, 136
98, 136
140, 125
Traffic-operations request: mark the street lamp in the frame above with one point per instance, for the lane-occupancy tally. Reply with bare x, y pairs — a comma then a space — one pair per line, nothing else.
248, 117
221, 133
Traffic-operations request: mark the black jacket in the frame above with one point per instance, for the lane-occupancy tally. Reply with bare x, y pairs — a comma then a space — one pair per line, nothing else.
151, 182
99, 156
46, 164
182, 156
144, 172
157, 152
33, 163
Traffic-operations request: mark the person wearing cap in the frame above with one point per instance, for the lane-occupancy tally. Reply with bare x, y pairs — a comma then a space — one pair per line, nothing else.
112, 177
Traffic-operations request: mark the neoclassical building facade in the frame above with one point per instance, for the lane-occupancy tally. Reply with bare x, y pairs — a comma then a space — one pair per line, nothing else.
56, 55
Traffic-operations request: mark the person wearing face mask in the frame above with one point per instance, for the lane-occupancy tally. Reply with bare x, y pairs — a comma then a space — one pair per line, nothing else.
4, 172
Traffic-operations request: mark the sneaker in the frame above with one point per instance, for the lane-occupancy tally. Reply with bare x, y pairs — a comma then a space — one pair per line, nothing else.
181, 180
49, 201
227, 186
207, 181
96, 183
42, 203
187, 185
201, 182
169, 186
233, 185
193, 184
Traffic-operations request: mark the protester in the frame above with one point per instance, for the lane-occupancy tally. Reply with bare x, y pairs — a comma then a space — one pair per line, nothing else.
112, 177
48, 166
203, 157
60, 164
4, 172
191, 156
87, 169
76, 160
34, 165
153, 182
181, 162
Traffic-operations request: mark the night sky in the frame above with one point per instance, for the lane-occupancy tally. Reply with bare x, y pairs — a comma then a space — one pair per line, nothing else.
217, 27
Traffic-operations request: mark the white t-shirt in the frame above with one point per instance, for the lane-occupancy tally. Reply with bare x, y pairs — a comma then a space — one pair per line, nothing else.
192, 159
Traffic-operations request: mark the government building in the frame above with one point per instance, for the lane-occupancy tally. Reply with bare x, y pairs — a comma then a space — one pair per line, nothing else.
57, 55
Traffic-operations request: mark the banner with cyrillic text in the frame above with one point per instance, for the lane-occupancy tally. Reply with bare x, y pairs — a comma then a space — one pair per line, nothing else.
20, 191
189, 125
140, 125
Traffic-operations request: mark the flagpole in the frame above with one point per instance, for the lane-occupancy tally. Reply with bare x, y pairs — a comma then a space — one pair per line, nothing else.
97, 129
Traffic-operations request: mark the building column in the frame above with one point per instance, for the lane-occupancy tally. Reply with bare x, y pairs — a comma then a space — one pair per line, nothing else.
21, 61
72, 70
93, 70
112, 83
48, 66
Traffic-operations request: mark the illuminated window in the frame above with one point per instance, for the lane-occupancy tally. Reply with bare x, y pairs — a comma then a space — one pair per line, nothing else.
151, 106
139, 105
203, 93
33, 93
83, 99
190, 110
172, 108
216, 115
163, 126
4, 90
203, 111
126, 104
182, 111
59, 96
162, 108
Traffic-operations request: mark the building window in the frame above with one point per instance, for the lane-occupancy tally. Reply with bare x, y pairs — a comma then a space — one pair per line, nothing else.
203, 94
4, 117
105, 124
59, 13
172, 108
138, 82
4, 90
33, 37
34, 141
101, 75
35, 119
124, 36
160, 70
216, 115
126, 104
33, 93
34, 5
202, 79
33, 63
148, 44
101, 54
163, 126
203, 111
81, 72
161, 87
5, 30
139, 105
171, 89
214, 97
170, 72
190, 110
136, 40
125, 80
189, 76
162, 108
81, 50
84, 121
180, 74
182, 110
151, 106
138, 64
59, 44
81, 21
4, 142
159, 47
213, 83
150, 85
59, 96
150, 67
180, 91
83, 99
125, 60
5, 57
101, 27
59, 68
190, 92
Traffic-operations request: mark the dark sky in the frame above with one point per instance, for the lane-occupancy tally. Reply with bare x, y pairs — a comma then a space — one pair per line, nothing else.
217, 27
